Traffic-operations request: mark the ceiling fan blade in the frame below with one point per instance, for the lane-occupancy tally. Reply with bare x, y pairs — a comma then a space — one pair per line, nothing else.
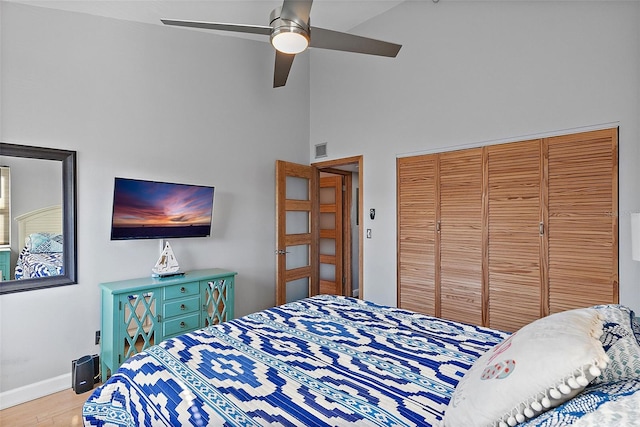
300, 9
336, 40
282, 67
240, 28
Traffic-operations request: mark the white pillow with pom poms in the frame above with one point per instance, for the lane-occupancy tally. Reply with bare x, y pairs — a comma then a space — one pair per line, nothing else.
542, 365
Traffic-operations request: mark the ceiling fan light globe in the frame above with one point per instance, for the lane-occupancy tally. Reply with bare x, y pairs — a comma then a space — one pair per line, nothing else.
290, 40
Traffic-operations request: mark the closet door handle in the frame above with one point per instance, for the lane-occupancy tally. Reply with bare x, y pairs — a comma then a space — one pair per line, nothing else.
438, 226
541, 228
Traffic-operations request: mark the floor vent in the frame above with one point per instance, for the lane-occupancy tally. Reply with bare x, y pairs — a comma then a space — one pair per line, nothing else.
321, 150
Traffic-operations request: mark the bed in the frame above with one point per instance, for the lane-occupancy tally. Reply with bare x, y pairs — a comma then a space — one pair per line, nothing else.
334, 361
40, 231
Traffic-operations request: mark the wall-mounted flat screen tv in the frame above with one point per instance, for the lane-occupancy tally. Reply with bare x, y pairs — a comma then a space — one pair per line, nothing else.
160, 210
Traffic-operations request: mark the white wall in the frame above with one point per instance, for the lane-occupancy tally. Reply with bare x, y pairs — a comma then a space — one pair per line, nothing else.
150, 102
472, 73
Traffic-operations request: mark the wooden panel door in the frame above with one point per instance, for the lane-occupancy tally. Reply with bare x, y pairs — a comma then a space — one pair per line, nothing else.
461, 235
417, 251
331, 233
515, 182
583, 221
296, 231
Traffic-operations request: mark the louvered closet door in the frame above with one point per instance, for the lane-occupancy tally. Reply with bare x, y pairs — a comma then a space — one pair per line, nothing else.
461, 260
514, 182
583, 224
416, 233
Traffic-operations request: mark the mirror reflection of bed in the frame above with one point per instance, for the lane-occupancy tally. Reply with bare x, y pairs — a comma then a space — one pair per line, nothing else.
40, 233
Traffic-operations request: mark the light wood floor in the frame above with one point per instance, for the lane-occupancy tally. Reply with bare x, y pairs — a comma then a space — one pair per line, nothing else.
59, 409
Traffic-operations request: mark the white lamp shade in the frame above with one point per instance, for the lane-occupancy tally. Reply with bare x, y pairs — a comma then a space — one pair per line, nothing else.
290, 42
635, 236
289, 39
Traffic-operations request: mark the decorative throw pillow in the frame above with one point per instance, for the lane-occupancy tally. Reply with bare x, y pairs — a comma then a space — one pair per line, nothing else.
545, 363
620, 343
44, 242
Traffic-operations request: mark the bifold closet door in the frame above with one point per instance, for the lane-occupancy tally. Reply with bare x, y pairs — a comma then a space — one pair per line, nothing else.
502, 235
583, 219
515, 234
416, 177
461, 235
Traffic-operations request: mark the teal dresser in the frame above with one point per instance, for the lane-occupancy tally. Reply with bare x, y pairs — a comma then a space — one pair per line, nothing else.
139, 313
5, 263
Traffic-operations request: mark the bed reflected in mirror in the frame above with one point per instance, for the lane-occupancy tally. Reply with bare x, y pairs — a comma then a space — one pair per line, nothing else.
37, 211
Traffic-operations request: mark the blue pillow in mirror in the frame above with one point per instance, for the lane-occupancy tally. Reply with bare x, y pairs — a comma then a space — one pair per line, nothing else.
44, 243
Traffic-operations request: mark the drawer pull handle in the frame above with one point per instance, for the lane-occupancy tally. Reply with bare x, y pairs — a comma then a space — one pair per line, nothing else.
183, 307
183, 289
182, 324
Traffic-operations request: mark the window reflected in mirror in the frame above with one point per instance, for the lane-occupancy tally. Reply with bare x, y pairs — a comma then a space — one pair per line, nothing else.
5, 223
5, 206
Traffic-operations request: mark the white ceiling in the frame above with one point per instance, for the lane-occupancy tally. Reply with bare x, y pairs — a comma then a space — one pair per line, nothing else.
339, 15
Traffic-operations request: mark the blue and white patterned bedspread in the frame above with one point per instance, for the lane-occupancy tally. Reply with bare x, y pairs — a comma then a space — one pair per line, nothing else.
45, 264
320, 361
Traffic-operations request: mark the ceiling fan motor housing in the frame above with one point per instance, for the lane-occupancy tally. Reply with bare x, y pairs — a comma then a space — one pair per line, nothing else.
289, 34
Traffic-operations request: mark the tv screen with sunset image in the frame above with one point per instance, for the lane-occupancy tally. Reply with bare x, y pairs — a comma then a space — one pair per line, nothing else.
160, 210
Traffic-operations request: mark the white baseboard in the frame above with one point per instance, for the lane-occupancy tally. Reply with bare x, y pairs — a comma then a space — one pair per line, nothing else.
34, 391
356, 293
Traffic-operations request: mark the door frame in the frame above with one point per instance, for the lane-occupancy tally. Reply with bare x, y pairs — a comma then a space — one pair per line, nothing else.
331, 166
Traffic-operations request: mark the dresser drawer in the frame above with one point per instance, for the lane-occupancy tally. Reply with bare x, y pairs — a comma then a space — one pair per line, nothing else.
5, 256
4, 269
181, 325
180, 307
181, 290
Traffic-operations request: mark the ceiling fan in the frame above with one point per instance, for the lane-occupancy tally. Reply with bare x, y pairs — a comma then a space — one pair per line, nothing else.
291, 33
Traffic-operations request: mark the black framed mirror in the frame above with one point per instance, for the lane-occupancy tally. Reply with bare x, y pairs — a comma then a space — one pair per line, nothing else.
64, 272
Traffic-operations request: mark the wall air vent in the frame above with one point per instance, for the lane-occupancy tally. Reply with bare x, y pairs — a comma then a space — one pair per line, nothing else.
321, 150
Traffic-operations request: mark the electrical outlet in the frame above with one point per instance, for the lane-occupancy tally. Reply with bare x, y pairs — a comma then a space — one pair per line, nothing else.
97, 337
